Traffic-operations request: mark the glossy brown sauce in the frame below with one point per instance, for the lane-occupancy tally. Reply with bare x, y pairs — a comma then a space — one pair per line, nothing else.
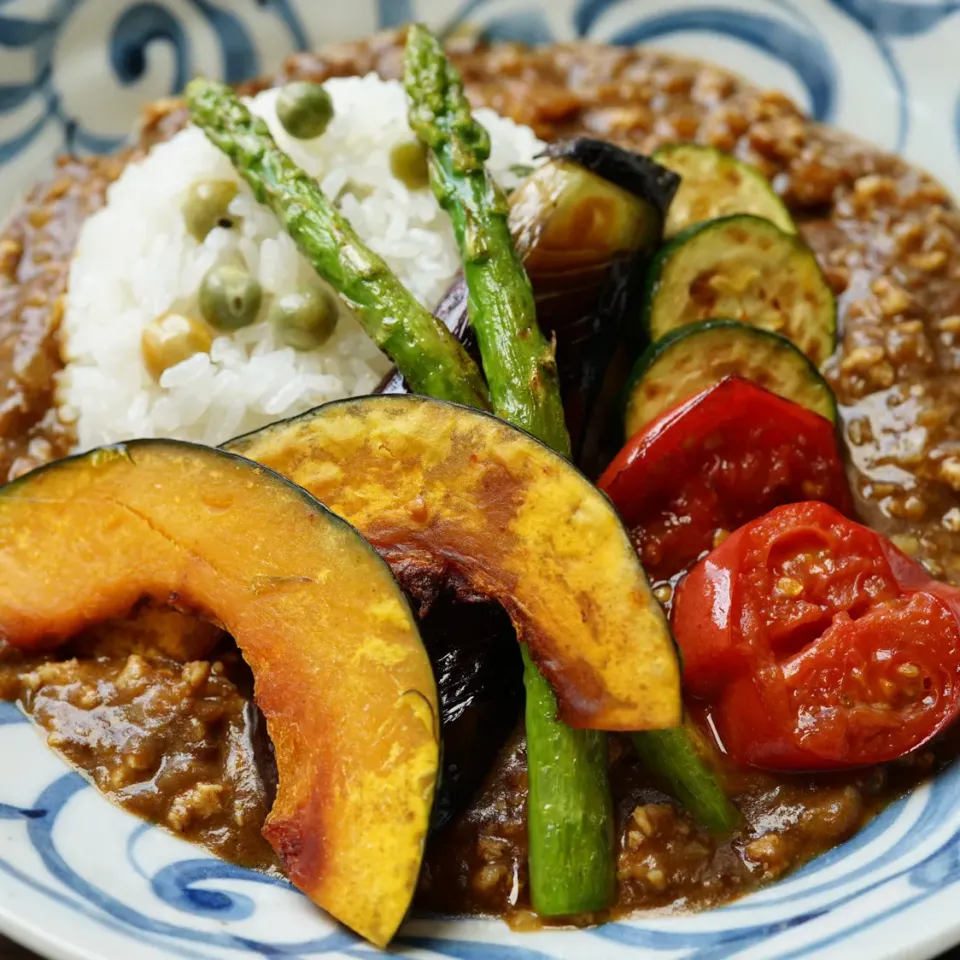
35, 251
155, 710
665, 861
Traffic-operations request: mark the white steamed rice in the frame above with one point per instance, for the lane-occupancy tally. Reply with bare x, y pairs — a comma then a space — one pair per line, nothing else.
134, 261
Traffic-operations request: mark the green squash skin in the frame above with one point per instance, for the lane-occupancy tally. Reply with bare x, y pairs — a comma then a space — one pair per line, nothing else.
655, 351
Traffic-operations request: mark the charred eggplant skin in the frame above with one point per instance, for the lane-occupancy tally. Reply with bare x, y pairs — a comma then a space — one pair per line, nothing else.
634, 172
476, 661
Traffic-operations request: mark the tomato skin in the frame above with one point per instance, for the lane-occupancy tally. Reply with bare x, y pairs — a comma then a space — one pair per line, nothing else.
714, 462
817, 644
748, 559
703, 608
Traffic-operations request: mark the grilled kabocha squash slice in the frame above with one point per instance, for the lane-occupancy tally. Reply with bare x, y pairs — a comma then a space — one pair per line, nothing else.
339, 668
448, 490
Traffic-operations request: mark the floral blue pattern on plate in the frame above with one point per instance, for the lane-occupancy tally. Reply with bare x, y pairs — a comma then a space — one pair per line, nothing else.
79, 878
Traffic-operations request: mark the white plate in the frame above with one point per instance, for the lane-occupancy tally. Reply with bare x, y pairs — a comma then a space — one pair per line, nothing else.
80, 879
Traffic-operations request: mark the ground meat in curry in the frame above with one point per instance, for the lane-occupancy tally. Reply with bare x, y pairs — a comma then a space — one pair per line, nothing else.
155, 710
165, 728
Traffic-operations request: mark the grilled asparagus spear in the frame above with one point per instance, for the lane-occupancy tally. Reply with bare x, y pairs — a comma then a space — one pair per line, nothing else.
518, 361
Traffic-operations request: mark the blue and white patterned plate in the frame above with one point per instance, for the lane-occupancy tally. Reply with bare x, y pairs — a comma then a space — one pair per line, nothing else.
80, 879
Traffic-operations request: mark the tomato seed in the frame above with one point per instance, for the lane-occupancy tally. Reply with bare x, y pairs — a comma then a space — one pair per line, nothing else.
788, 587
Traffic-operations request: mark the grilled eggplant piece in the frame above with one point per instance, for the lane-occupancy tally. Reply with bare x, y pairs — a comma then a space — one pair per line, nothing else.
633, 172
585, 223
476, 661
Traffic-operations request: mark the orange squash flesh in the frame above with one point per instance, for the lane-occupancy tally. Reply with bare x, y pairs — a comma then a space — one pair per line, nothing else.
451, 490
340, 671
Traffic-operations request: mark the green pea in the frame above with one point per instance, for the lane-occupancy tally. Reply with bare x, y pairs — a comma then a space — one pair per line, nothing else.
304, 109
205, 206
408, 163
229, 298
306, 319
171, 339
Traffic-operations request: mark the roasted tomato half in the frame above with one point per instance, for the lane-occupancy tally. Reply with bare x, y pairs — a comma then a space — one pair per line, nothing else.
817, 644
726, 456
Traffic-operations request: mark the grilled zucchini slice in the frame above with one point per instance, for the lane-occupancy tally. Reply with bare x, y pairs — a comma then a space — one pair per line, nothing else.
715, 184
692, 358
746, 268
